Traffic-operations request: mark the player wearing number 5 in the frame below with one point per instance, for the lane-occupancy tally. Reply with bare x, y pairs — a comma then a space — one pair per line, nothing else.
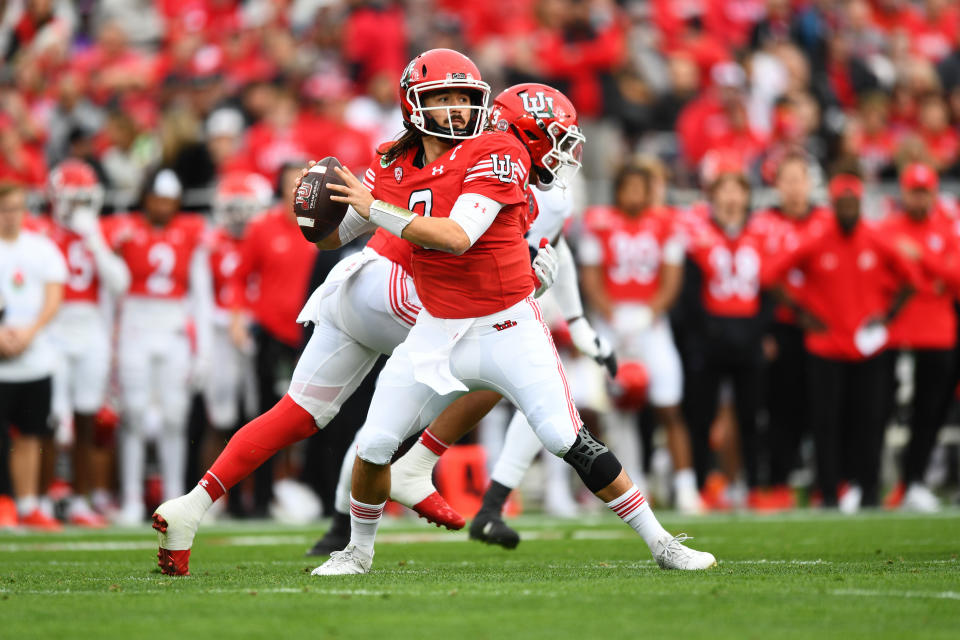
170, 286
723, 315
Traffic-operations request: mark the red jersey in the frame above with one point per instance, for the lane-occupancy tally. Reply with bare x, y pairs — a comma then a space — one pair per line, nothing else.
495, 272
928, 320
630, 250
730, 268
782, 234
849, 280
83, 284
224, 250
158, 257
274, 251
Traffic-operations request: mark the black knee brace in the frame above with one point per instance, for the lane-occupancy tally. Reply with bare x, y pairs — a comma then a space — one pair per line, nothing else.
594, 462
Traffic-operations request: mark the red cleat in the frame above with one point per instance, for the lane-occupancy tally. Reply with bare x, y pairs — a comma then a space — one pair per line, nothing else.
895, 498
171, 562
435, 509
88, 520
8, 512
37, 519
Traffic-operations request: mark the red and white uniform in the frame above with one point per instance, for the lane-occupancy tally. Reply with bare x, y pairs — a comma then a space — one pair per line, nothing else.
82, 326
235, 378
928, 320
480, 327
781, 234
170, 287
850, 279
730, 268
632, 251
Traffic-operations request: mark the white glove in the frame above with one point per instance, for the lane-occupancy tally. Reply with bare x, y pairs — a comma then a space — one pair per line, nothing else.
83, 221
546, 265
586, 340
871, 338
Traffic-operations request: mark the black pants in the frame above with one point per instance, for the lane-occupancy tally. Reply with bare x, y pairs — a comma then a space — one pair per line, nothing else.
275, 361
786, 398
847, 402
932, 391
700, 401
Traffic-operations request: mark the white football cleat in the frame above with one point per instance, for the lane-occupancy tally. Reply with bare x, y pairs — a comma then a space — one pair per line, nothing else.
130, 514
688, 502
176, 522
849, 502
350, 561
919, 498
670, 553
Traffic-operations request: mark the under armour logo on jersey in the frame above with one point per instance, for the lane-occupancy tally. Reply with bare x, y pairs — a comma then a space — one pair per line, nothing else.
540, 105
506, 324
503, 169
437, 170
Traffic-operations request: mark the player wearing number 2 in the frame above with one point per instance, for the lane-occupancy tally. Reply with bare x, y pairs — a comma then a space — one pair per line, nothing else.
170, 286
81, 329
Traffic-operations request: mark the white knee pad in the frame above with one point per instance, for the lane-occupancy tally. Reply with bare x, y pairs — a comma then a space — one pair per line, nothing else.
376, 446
556, 435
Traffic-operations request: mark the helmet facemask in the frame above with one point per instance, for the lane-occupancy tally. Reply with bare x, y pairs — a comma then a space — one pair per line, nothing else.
564, 159
69, 200
232, 214
479, 96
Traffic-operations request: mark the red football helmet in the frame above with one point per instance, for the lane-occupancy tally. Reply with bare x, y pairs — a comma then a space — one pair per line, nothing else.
545, 121
629, 389
443, 69
73, 184
240, 196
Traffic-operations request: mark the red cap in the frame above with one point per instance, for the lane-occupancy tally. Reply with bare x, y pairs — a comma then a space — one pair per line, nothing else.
918, 176
844, 185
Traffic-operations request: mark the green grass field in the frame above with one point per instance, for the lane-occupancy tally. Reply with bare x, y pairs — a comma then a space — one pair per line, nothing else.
798, 576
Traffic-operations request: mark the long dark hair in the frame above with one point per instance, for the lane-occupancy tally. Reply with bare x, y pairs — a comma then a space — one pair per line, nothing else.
409, 140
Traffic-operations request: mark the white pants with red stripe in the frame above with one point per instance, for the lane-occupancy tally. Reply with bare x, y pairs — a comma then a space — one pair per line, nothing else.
365, 308
516, 358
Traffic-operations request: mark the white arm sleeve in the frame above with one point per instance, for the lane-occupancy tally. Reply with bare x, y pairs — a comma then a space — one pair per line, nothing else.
565, 289
353, 226
474, 213
201, 299
112, 270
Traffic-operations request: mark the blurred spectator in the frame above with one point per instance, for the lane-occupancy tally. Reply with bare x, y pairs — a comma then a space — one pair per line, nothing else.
32, 274
126, 157
72, 111
324, 130
19, 162
374, 39
941, 139
376, 112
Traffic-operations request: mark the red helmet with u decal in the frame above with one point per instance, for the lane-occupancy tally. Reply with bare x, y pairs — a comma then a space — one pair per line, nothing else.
73, 184
437, 70
545, 121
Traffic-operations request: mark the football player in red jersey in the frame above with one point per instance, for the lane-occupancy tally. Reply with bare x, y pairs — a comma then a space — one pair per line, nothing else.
782, 226
856, 283
170, 286
632, 268
480, 327
927, 326
723, 318
365, 308
239, 197
81, 329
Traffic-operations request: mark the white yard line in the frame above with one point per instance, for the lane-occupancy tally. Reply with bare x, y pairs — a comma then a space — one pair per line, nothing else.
870, 593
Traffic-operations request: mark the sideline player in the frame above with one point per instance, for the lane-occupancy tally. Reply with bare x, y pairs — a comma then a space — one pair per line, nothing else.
363, 309
81, 329
170, 284
480, 327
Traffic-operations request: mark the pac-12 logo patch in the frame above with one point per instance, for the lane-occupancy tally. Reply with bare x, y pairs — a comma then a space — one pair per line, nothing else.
502, 168
539, 104
398, 173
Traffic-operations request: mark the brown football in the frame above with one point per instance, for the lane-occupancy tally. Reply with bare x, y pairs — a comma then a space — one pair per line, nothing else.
318, 215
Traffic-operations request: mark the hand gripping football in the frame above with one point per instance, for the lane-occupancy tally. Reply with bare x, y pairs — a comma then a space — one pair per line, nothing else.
318, 215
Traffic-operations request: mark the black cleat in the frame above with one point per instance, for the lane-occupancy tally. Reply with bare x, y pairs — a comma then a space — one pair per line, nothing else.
492, 529
335, 539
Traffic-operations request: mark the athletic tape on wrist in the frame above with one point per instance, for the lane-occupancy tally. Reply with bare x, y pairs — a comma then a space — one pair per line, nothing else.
390, 217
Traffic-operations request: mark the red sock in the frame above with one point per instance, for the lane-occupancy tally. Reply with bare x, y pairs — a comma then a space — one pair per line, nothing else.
285, 423
433, 443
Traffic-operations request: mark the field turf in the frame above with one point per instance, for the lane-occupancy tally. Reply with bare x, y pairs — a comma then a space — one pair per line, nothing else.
796, 576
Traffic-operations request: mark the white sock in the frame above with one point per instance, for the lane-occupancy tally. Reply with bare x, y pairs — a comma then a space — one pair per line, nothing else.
411, 477
633, 509
684, 480
172, 448
27, 505
364, 520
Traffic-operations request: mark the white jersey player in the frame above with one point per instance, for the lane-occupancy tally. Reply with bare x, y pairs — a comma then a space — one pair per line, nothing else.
81, 328
170, 295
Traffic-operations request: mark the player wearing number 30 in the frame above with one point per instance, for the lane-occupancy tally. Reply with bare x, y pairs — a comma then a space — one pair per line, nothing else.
170, 285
